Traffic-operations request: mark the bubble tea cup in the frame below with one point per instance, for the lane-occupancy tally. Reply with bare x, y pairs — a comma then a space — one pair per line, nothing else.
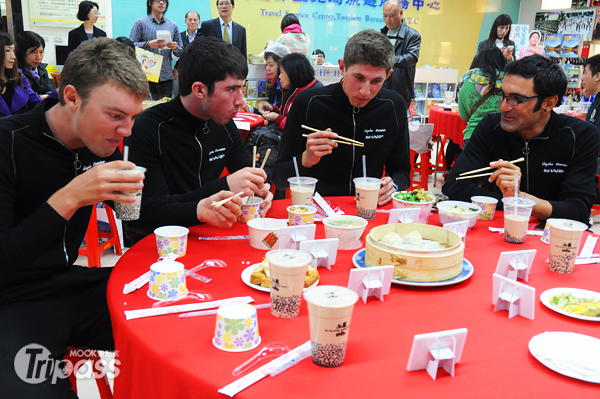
287, 269
565, 237
517, 212
130, 211
367, 194
329, 313
302, 190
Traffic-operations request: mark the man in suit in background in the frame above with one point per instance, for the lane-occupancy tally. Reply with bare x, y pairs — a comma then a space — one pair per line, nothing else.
192, 20
224, 28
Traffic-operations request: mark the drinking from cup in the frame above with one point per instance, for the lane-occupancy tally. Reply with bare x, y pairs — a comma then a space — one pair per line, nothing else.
287, 268
302, 189
329, 313
367, 193
126, 211
517, 212
565, 236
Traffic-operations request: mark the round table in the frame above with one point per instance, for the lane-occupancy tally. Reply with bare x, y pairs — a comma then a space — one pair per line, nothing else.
166, 356
253, 119
447, 123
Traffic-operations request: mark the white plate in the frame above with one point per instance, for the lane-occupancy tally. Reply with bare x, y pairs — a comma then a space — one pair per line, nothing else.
568, 353
247, 272
467, 271
577, 293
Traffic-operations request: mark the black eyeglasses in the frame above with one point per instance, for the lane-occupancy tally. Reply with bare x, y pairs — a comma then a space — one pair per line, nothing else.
512, 100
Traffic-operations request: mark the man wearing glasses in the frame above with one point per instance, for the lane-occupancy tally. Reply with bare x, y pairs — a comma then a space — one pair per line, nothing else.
560, 151
224, 28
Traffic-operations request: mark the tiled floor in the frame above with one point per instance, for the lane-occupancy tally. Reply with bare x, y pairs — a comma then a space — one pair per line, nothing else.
87, 388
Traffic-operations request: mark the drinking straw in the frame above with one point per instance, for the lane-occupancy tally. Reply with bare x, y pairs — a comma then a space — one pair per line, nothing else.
364, 166
250, 200
125, 153
296, 167
516, 193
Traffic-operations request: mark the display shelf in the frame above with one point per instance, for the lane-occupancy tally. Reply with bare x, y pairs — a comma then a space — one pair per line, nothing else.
430, 86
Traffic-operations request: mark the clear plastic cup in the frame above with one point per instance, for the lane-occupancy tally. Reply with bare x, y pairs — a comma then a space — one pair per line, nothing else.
517, 212
302, 189
126, 211
367, 193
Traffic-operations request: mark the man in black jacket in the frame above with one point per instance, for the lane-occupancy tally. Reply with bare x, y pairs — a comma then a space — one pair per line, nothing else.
357, 108
224, 28
407, 43
187, 142
560, 151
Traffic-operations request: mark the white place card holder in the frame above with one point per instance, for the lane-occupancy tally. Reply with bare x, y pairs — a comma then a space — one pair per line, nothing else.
324, 252
291, 236
517, 298
438, 349
325, 206
588, 247
404, 215
371, 281
513, 264
460, 228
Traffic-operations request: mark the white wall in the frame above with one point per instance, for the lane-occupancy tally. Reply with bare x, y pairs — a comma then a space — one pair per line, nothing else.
528, 10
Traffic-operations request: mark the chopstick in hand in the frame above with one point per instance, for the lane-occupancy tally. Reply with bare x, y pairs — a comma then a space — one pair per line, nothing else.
265, 160
358, 143
226, 199
488, 168
473, 176
342, 142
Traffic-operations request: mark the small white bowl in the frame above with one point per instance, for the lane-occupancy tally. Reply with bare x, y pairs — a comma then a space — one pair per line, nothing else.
424, 206
265, 230
349, 236
448, 215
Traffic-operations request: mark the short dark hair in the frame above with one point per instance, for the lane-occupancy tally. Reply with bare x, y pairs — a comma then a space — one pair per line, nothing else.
369, 47
491, 60
25, 41
232, 2
289, 19
209, 60
594, 63
187, 13
318, 51
548, 77
84, 9
128, 43
298, 69
149, 6
501, 20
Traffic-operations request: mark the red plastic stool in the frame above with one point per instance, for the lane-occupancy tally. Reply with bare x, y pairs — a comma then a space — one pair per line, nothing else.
92, 250
423, 168
98, 370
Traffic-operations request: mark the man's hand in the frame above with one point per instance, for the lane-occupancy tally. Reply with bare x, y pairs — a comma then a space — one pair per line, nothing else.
267, 196
158, 44
100, 183
270, 116
219, 216
386, 191
265, 106
175, 73
318, 145
505, 176
248, 180
172, 45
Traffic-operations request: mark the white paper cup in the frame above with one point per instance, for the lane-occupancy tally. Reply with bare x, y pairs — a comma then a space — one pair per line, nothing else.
250, 210
171, 240
349, 236
299, 215
487, 205
236, 329
126, 211
264, 232
565, 238
167, 281
287, 269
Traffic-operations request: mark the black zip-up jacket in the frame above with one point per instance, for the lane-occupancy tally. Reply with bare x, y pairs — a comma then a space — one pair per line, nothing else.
559, 165
184, 157
38, 247
381, 125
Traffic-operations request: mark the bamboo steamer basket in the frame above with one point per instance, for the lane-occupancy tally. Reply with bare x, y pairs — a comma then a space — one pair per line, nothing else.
412, 265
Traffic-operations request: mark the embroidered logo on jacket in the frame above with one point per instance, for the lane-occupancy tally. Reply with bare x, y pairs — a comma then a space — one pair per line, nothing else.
551, 167
376, 134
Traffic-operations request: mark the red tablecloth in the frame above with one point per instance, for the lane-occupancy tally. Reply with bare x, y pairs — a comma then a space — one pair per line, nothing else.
255, 120
168, 357
447, 123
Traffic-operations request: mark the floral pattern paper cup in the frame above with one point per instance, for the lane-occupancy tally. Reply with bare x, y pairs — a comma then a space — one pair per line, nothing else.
487, 205
236, 329
301, 214
171, 240
167, 281
250, 209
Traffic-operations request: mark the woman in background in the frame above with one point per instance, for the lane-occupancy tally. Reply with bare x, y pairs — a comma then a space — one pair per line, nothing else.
534, 40
16, 95
30, 53
476, 98
292, 36
296, 75
499, 37
88, 13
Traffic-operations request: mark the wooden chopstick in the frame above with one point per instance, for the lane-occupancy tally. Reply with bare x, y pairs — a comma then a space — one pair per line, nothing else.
473, 176
488, 168
265, 160
342, 142
226, 200
339, 137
